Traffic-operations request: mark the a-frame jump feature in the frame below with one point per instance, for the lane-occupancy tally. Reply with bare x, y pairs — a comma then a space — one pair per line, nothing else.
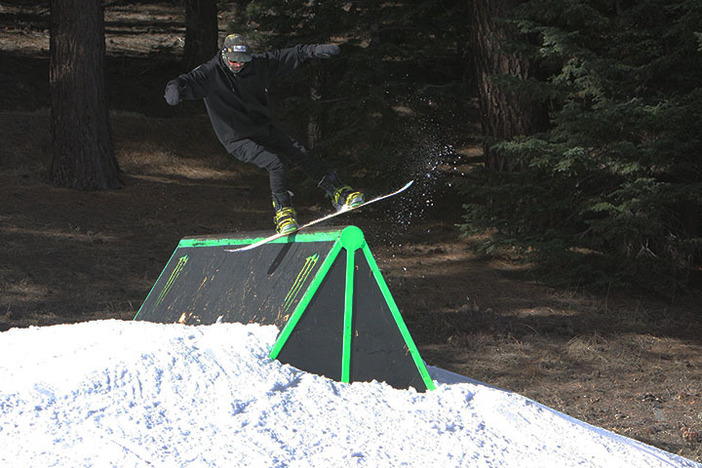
322, 288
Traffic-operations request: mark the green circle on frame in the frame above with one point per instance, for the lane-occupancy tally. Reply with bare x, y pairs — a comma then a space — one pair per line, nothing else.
352, 238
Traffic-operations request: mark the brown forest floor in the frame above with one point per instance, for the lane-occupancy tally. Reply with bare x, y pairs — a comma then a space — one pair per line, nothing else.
627, 363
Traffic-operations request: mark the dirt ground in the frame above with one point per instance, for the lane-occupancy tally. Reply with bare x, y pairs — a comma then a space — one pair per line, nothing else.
631, 364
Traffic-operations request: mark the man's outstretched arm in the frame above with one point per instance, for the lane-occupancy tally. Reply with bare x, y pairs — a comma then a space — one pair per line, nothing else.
287, 60
193, 85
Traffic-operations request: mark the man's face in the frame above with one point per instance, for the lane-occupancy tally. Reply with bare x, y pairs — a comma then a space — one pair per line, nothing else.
235, 52
235, 67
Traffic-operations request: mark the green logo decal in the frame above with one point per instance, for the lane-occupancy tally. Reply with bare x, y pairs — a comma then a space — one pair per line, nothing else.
176, 272
307, 268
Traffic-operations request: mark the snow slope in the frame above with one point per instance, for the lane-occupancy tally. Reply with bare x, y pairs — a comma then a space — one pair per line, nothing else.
112, 393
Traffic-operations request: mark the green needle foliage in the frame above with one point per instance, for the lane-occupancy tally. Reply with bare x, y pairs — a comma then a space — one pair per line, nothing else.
611, 194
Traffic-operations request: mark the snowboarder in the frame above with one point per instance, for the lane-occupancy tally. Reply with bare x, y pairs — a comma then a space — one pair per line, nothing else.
234, 86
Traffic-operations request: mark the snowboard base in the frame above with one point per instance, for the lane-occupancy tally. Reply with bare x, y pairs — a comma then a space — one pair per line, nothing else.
319, 220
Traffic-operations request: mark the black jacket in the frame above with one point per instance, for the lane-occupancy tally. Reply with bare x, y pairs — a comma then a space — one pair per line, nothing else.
238, 103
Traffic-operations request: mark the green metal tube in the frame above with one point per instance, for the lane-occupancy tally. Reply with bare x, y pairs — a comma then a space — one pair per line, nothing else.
306, 298
414, 352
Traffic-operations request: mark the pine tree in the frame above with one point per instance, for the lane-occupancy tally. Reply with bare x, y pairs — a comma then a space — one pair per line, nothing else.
611, 192
83, 156
201, 32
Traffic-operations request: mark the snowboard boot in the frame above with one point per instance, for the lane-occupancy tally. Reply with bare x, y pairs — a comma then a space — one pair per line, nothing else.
342, 196
285, 215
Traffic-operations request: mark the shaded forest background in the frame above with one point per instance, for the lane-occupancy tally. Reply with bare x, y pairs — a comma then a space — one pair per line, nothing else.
555, 144
588, 111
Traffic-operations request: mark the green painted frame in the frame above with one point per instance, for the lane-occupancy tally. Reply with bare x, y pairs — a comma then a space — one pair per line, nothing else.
228, 241
351, 240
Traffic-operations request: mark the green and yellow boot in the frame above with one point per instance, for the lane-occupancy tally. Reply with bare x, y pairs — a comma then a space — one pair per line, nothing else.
343, 197
285, 215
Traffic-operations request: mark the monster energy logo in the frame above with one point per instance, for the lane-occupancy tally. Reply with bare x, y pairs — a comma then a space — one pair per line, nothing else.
307, 268
176, 272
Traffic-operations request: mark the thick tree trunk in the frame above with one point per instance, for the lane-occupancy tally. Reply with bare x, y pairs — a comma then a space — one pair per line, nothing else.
82, 153
201, 32
504, 114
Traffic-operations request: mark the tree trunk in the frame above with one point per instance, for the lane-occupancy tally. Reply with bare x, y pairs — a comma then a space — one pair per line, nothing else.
201, 32
82, 153
504, 114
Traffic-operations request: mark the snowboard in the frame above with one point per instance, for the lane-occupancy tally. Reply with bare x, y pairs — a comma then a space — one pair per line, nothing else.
320, 220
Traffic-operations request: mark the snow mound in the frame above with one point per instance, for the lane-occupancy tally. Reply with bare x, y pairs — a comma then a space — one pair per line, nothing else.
113, 393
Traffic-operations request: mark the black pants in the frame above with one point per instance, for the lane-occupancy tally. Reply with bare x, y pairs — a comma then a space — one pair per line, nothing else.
275, 152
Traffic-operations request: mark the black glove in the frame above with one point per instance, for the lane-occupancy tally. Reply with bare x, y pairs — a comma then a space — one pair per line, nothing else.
172, 94
326, 51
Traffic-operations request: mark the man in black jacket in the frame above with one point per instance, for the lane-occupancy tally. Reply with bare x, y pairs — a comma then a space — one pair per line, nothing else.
234, 86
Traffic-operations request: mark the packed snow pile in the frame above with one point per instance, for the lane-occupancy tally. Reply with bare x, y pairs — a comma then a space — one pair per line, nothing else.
112, 393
